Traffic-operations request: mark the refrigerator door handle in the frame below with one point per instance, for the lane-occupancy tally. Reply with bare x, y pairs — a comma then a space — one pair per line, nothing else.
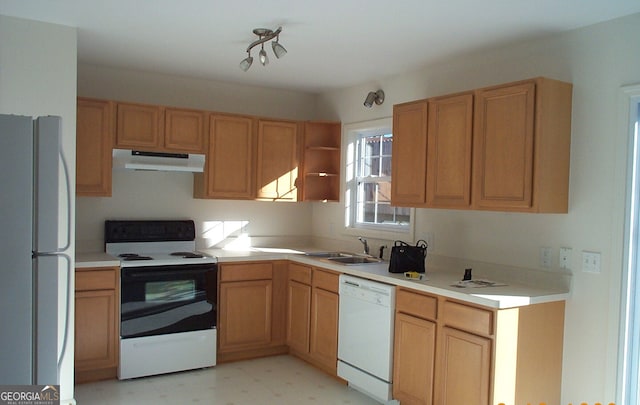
67, 180
65, 336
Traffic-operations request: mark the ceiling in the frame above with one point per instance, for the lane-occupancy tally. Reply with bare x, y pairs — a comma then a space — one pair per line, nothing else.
331, 43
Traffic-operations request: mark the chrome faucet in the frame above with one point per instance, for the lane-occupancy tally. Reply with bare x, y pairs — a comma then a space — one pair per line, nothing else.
366, 245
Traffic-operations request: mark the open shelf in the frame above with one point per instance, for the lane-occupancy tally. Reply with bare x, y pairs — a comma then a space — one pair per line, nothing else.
321, 165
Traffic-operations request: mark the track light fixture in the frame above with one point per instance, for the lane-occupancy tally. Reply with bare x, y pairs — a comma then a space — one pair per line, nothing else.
264, 35
374, 97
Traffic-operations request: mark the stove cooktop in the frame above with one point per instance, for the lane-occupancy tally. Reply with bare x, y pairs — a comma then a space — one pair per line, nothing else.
154, 243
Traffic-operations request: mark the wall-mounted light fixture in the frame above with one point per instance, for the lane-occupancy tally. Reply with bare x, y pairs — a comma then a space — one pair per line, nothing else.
264, 35
374, 97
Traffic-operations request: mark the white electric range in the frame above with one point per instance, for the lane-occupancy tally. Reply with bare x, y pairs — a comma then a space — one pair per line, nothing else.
168, 297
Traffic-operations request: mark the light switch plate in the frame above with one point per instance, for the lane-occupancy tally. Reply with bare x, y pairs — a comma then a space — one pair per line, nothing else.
590, 262
545, 257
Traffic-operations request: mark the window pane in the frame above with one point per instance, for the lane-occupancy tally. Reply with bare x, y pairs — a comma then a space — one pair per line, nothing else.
387, 145
369, 192
386, 166
384, 191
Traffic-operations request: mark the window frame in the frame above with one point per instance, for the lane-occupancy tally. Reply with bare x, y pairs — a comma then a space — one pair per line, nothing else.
353, 132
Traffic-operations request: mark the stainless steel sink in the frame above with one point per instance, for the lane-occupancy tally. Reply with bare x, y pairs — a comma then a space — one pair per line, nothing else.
325, 255
354, 260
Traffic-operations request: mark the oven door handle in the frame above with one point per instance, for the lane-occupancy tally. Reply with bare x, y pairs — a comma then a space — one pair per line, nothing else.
133, 274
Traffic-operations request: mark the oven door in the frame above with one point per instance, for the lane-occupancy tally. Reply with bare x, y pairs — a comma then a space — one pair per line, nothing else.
159, 300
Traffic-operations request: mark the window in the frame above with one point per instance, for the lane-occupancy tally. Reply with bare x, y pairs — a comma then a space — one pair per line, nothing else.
368, 180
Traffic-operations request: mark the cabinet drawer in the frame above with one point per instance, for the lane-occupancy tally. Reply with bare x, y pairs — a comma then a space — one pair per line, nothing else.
420, 305
299, 273
325, 280
246, 271
475, 320
96, 280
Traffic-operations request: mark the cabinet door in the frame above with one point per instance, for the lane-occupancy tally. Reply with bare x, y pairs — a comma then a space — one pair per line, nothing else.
408, 171
503, 147
95, 330
464, 369
139, 126
413, 360
184, 130
245, 314
277, 169
229, 164
94, 141
323, 346
299, 309
449, 137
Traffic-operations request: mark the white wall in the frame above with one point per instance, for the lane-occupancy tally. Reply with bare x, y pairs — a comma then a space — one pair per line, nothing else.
598, 60
149, 195
38, 77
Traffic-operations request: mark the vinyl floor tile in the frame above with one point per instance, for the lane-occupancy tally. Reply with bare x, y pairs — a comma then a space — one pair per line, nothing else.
278, 380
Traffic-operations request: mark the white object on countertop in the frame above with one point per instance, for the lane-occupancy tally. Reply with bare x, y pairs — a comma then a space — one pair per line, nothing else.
477, 283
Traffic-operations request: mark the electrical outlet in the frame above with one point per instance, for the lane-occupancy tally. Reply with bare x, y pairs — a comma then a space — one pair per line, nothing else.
590, 262
564, 258
545, 257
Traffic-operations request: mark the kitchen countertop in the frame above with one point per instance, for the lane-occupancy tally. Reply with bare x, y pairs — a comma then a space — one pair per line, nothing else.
95, 259
439, 276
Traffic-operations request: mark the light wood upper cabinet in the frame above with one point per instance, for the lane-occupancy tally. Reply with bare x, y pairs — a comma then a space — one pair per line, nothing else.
277, 161
501, 148
229, 165
409, 154
95, 127
449, 134
321, 161
157, 128
139, 126
184, 130
522, 139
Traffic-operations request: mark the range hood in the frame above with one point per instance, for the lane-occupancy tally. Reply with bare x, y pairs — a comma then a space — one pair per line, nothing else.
157, 161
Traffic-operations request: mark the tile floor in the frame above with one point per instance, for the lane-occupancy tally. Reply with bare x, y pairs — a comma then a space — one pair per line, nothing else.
275, 380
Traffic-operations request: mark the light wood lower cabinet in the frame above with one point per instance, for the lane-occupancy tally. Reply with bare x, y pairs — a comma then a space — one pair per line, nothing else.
312, 316
323, 345
251, 311
414, 353
298, 307
448, 352
96, 324
464, 368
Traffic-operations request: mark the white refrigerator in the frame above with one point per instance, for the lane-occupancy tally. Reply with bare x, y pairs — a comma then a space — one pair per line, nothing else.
34, 258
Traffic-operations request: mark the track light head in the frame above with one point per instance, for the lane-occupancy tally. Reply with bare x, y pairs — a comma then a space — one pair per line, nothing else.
278, 49
374, 97
246, 63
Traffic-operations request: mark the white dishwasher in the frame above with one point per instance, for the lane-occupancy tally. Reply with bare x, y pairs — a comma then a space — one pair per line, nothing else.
365, 336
